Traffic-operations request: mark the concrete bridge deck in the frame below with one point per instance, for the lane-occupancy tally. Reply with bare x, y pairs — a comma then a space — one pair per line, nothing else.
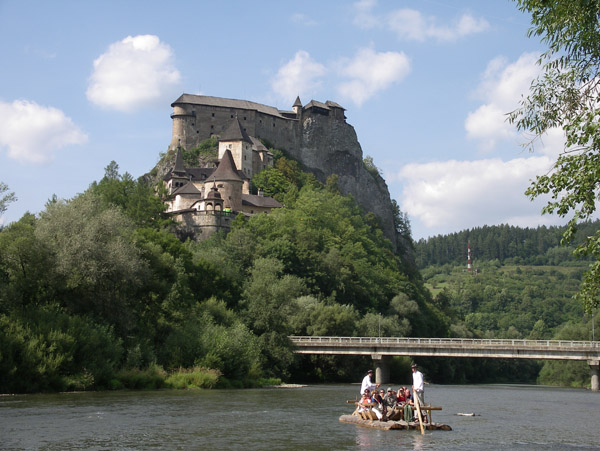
382, 348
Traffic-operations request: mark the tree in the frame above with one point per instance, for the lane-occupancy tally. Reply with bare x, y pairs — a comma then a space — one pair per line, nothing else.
565, 96
5, 199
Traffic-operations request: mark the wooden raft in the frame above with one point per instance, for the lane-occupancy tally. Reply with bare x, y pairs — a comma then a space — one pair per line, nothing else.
387, 425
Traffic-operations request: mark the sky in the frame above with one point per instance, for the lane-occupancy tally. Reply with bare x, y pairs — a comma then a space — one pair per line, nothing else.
426, 85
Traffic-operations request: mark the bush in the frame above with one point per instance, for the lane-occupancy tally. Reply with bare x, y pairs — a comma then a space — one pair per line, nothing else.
151, 378
194, 378
48, 350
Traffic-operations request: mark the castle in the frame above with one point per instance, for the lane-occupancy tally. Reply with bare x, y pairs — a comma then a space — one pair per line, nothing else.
196, 118
204, 200
316, 135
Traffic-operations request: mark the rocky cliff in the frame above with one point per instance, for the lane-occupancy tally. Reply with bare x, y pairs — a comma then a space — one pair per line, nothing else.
328, 146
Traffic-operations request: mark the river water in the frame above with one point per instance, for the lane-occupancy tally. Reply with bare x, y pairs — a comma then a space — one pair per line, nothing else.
507, 418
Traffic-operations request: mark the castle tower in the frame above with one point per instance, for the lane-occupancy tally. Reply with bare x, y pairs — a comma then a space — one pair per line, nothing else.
213, 200
179, 175
182, 121
229, 182
297, 107
236, 140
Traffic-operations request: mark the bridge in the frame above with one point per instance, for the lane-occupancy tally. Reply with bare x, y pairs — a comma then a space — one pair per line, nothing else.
381, 349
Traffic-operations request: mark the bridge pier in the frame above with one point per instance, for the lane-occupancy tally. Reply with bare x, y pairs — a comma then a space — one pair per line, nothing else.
595, 368
382, 368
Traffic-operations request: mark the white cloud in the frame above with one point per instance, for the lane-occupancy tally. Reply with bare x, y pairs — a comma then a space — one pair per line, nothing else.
303, 19
33, 133
502, 86
370, 72
411, 24
456, 195
364, 18
135, 72
299, 76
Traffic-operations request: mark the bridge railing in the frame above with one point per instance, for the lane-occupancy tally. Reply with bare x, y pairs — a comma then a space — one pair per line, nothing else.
442, 341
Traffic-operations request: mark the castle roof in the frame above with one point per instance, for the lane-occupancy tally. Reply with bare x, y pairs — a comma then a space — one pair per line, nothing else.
333, 104
179, 168
226, 171
235, 132
257, 145
188, 188
253, 200
297, 102
227, 103
213, 193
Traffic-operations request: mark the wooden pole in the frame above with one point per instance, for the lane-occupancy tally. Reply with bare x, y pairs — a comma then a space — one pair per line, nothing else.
418, 412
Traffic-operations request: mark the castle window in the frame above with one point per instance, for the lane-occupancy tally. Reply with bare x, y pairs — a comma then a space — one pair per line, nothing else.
212, 127
213, 115
244, 117
232, 116
273, 124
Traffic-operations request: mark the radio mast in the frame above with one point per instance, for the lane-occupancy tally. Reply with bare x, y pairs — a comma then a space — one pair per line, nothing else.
469, 256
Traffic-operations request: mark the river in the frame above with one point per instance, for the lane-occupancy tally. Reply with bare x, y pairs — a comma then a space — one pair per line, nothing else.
507, 417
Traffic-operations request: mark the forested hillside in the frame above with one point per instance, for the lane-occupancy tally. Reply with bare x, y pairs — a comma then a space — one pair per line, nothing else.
521, 285
97, 292
507, 244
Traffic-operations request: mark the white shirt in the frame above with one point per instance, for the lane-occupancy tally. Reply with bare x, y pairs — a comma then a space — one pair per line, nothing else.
418, 381
366, 384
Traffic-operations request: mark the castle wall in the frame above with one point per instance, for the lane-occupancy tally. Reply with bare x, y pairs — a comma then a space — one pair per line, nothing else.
194, 123
202, 224
241, 152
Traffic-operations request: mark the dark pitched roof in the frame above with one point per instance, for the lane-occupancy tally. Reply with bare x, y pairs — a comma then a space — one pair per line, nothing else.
227, 103
257, 145
200, 173
178, 168
297, 102
213, 193
235, 132
334, 105
260, 201
188, 188
316, 103
226, 171
195, 174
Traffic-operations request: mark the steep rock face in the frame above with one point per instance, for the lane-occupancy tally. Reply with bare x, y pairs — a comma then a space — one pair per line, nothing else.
328, 146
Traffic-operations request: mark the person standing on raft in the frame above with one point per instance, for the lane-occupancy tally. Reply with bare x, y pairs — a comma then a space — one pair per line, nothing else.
367, 384
418, 388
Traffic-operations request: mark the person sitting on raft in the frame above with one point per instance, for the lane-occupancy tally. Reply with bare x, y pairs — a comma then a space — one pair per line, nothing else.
389, 402
378, 408
365, 403
408, 405
401, 397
